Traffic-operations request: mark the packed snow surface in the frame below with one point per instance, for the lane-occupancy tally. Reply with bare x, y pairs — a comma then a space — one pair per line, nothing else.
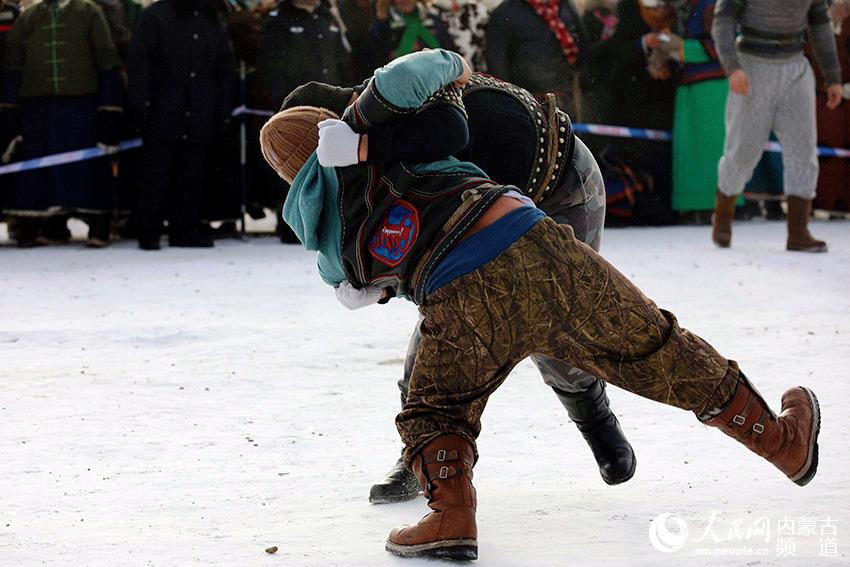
195, 407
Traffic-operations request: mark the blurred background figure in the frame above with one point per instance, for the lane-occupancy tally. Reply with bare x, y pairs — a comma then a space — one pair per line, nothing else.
301, 41
833, 193
61, 92
358, 17
539, 45
600, 21
637, 88
405, 26
466, 22
8, 14
181, 76
698, 129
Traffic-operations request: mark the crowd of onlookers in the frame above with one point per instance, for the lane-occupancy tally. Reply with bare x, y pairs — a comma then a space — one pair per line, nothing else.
81, 73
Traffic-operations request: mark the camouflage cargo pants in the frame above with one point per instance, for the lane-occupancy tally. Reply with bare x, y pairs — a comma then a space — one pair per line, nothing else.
553, 297
579, 201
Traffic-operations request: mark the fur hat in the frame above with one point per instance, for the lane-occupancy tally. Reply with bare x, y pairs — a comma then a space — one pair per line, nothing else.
290, 137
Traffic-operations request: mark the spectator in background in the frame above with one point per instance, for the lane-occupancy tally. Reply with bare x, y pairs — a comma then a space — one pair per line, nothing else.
55, 227
600, 22
405, 26
62, 91
181, 73
833, 192
8, 14
639, 91
466, 22
358, 16
698, 129
772, 87
302, 41
539, 45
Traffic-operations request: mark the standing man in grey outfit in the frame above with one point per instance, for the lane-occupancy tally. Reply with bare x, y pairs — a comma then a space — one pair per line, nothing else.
772, 89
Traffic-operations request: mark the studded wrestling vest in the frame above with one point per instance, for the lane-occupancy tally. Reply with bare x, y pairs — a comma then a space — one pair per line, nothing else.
553, 142
397, 225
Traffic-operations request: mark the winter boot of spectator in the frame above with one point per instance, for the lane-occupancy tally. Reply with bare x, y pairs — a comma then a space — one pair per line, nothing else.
398, 485
55, 229
28, 232
192, 239
98, 231
789, 440
591, 412
799, 238
444, 470
773, 210
721, 221
149, 243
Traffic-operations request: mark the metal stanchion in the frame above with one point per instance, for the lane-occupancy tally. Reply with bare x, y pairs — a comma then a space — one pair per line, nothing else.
243, 147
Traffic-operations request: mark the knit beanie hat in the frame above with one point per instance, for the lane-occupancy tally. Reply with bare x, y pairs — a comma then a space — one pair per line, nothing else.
321, 95
290, 137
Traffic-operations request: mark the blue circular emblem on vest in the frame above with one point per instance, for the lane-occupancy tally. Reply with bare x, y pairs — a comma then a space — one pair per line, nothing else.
396, 234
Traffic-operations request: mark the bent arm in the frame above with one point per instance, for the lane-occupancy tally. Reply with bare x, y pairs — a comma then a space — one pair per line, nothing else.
408, 81
727, 15
402, 86
823, 42
432, 134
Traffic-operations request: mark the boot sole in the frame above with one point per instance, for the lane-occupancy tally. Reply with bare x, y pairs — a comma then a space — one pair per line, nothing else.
462, 549
811, 249
810, 470
624, 478
392, 498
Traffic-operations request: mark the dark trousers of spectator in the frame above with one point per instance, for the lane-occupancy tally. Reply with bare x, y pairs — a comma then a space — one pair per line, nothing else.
171, 177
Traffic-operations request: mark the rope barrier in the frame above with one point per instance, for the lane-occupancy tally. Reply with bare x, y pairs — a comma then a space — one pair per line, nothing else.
596, 129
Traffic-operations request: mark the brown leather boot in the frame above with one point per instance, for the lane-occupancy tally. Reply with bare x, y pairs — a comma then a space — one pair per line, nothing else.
721, 220
799, 238
444, 470
789, 441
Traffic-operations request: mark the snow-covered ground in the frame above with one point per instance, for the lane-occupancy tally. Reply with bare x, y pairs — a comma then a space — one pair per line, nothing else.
197, 407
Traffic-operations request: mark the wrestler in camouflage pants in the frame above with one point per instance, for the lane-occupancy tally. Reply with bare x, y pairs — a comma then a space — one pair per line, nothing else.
578, 202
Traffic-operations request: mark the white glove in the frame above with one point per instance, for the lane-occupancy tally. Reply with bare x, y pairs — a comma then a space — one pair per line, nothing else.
353, 298
339, 145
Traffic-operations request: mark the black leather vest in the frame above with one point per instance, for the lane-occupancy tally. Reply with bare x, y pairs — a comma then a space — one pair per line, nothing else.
397, 225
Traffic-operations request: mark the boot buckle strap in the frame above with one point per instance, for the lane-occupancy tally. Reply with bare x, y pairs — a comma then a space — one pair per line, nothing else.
443, 472
739, 419
442, 456
758, 428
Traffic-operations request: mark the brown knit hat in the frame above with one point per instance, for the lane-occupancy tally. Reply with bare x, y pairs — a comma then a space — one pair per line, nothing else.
290, 137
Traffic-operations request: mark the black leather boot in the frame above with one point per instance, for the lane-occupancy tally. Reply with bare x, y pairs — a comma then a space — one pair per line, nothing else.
591, 412
398, 485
